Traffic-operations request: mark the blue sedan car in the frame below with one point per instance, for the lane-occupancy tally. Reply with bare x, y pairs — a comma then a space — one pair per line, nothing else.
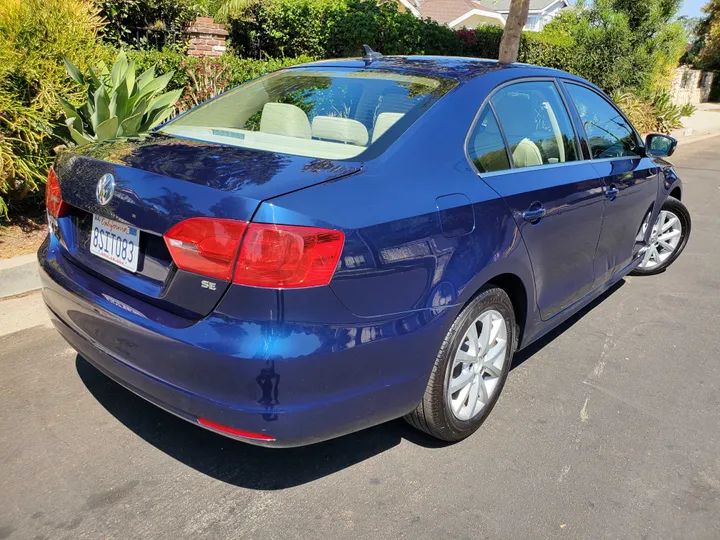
346, 242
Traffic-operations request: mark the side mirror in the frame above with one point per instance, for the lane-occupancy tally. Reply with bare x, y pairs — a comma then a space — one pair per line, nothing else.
657, 145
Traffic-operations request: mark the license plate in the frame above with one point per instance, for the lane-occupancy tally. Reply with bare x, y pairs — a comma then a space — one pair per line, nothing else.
115, 242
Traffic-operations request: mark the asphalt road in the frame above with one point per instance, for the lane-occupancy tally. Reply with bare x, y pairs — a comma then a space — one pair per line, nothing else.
609, 429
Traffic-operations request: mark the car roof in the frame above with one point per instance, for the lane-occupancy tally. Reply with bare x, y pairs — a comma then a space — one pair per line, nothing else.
456, 67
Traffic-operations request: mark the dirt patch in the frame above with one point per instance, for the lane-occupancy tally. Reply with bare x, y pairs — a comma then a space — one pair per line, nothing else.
22, 236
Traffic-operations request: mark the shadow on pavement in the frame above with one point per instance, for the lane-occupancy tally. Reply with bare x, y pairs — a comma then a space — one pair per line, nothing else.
259, 468
535, 347
235, 462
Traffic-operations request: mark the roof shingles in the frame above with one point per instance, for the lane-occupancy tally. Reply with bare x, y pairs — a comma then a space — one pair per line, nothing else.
445, 11
504, 5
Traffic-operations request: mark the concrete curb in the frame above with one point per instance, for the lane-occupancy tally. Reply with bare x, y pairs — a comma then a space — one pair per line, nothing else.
697, 138
19, 275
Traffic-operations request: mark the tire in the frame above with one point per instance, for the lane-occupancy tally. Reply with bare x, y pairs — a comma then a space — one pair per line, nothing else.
651, 265
435, 414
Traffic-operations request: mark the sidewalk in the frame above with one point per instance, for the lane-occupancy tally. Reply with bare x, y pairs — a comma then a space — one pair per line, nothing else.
18, 275
705, 123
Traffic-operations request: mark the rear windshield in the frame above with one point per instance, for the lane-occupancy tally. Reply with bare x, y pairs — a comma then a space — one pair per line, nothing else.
328, 114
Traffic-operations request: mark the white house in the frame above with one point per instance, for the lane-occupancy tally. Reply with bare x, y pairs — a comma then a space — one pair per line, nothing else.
471, 13
541, 11
455, 13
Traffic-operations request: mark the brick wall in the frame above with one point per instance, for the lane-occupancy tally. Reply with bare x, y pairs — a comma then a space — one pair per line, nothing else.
206, 37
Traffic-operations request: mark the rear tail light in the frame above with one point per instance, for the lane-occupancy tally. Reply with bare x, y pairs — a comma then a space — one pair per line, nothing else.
53, 199
236, 432
287, 257
271, 256
206, 246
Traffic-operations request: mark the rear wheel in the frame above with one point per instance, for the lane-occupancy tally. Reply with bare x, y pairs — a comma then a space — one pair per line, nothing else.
668, 238
470, 370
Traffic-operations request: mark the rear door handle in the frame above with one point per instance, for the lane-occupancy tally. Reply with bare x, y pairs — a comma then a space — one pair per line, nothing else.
534, 214
612, 192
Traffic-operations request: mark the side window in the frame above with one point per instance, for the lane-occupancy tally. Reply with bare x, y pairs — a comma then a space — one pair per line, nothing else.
536, 124
485, 146
609, 135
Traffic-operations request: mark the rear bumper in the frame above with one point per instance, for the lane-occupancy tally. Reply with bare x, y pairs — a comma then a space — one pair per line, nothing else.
299, 383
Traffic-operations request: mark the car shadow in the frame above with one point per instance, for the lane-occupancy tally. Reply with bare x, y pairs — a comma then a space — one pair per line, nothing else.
254, 467
235, 462
532, 349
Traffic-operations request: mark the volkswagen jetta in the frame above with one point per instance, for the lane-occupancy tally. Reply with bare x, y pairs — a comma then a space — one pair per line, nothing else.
345, 242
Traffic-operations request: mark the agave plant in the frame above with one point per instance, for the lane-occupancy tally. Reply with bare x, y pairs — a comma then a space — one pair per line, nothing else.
669, 114
119, 104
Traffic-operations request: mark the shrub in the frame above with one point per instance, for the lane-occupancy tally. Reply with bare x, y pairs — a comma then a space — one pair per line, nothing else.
548, 50
640, 112
333, 28
34, 34
668, 115
483, 42
622, 44
147, 23
655, 114
535, 48
118, 103
207, 79
387, 30
239, 70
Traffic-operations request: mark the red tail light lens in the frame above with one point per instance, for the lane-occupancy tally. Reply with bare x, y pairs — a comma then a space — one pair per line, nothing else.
206, 246
286, 256
53, 199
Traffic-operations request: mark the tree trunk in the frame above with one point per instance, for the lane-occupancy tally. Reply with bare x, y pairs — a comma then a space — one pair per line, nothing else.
510, 43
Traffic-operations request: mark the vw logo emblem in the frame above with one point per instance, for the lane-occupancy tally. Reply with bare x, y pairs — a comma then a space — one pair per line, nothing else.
105, 189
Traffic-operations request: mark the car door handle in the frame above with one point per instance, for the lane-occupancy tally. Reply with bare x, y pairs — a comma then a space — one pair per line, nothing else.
612, 192
534, 214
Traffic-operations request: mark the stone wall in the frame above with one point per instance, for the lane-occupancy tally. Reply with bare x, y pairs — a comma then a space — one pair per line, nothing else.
206, 37
691, 85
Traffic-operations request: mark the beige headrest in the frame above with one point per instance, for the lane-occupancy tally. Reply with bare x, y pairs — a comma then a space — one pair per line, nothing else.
285, 119
339, 129
527, 154
384, 122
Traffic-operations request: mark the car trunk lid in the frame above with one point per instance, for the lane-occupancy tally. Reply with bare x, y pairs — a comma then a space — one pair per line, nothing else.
160, 182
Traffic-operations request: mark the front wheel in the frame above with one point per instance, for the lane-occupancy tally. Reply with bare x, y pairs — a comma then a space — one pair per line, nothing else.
470, 370
668, 238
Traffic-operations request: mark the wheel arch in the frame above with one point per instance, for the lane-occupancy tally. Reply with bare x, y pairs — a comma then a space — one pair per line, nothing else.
676, 193
519, 293
515, 289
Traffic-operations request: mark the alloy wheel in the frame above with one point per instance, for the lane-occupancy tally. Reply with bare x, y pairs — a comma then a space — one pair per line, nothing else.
664, 239
477, 365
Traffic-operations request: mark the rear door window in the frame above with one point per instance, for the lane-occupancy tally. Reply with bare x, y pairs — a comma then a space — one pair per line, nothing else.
609, 134
535, 123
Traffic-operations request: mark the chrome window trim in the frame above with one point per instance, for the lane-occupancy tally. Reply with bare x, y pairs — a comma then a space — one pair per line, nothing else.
556, 165
535, 168
486, 101
638, 138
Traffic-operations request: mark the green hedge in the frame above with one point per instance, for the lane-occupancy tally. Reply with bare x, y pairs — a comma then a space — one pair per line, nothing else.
535, 48
335, 28
240, 70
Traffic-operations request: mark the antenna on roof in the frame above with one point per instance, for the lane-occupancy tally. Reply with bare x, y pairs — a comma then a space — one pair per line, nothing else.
370, 55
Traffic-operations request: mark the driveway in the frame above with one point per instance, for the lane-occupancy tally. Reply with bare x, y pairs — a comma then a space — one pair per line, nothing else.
609, 428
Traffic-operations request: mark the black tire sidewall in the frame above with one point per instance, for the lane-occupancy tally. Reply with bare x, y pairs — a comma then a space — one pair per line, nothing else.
497, 300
